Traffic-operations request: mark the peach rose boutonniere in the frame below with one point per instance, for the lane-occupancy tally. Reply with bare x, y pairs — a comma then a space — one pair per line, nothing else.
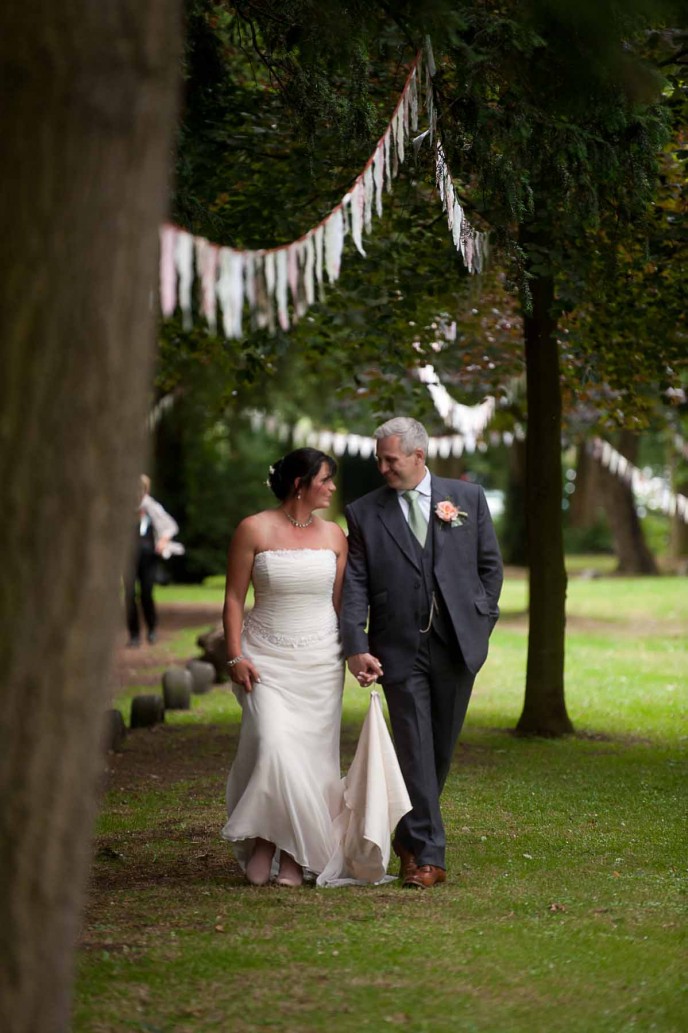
450, 514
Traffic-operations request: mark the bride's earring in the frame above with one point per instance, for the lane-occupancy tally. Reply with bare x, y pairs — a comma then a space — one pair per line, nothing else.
298, 494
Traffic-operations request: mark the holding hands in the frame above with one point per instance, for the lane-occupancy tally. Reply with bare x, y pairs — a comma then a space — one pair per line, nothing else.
365, 668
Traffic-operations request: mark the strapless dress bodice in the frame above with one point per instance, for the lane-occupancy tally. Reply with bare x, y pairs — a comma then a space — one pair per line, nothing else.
293, 596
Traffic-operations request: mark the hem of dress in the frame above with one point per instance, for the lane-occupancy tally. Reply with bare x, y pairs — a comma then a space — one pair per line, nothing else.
309, 874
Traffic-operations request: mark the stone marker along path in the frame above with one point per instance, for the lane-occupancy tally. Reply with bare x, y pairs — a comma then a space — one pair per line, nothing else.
142, 666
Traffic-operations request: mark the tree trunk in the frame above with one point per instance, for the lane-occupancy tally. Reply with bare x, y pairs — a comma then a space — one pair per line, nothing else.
678, 541
544, 708
514, 535
453, 467
86, 120
632, 552
586, 502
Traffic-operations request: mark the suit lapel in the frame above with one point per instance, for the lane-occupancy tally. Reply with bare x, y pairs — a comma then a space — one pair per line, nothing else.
442, 490
436, 495
393, 520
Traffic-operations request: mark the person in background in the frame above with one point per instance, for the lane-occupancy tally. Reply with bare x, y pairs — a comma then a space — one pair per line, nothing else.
154, 531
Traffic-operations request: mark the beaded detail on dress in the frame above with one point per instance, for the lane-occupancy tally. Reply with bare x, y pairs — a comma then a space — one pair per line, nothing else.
255, 627
293, 597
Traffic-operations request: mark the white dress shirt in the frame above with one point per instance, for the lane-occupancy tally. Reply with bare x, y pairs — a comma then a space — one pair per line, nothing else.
424, 490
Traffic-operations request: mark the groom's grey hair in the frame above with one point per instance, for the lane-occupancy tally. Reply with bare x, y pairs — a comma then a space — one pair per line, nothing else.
410, 432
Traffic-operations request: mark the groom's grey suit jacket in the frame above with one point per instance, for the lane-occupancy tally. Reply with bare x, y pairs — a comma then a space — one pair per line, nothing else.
383, 586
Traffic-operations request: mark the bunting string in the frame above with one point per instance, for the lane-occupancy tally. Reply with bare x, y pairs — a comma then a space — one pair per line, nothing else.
651, 491
277, 285
470, 421
339, 443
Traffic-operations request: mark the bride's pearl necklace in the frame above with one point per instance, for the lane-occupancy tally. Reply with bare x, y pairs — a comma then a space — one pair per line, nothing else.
297, 523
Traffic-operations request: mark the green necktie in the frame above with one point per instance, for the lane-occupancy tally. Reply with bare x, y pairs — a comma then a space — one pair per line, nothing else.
417, 521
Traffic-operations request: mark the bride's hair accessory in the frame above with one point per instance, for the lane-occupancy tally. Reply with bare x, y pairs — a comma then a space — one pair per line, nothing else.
235, 660
302, 465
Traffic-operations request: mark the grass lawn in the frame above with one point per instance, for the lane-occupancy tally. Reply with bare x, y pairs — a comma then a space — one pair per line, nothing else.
563, 911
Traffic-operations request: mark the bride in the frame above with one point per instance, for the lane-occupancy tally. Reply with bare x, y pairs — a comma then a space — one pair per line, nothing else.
285, 797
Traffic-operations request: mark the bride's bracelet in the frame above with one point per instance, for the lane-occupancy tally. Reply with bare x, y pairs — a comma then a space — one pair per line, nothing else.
235, 660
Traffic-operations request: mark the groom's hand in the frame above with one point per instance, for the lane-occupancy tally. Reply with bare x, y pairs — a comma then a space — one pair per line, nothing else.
365, 668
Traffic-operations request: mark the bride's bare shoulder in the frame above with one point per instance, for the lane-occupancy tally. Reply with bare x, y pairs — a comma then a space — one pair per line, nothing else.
254, 527
335, 535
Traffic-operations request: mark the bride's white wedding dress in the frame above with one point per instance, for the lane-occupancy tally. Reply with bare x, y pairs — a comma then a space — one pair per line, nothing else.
285, 784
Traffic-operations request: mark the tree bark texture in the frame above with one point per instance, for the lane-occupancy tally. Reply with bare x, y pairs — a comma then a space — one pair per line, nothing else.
632, 551
86, 120
544, 708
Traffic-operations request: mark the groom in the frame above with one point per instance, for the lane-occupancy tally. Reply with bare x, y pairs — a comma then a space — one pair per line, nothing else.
424, 574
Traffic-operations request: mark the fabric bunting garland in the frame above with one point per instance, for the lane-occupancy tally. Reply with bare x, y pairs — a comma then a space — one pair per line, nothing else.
470, 243
653, 491
338, 442
468, 420
278, 285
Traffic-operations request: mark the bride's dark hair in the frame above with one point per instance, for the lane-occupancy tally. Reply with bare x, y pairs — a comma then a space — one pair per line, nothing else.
303, 465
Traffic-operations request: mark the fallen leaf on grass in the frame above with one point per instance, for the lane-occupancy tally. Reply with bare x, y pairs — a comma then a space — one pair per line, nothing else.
557, 907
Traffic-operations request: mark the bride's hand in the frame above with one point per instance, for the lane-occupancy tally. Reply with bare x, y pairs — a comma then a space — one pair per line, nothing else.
365, 668
244, 674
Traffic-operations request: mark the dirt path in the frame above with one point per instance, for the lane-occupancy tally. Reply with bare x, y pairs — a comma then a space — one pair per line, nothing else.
141, 666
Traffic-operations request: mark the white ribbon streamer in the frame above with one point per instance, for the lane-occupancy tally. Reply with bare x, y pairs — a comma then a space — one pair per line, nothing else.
654, 492
294, 269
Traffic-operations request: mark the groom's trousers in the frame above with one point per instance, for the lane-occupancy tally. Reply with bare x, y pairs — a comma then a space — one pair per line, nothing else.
427, 712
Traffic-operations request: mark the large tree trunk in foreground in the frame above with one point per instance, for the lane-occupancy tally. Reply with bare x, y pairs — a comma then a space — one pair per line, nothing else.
632, 552
88, 104
544, 708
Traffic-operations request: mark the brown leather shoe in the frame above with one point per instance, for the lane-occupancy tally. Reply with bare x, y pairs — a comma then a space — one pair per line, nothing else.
407, 862
424, 876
